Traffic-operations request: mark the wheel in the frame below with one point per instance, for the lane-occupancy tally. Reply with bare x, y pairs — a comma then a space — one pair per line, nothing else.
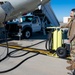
61, 52
27, 34
67, 47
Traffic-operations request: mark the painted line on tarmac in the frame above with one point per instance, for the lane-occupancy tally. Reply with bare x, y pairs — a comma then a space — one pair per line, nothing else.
41, 51
29, 49
11, 46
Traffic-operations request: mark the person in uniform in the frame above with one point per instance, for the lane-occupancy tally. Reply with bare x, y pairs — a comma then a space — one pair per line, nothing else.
71, 39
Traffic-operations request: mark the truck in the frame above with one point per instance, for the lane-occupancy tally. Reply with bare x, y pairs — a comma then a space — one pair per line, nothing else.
26, 24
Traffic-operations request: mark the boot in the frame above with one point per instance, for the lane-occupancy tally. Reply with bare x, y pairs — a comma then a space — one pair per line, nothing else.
70, 61
71, 67
74, 72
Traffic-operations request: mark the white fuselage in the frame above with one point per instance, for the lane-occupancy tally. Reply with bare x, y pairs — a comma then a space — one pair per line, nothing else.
20, 7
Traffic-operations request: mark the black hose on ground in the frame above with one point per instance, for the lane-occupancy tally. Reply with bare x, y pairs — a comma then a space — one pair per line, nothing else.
5, 39
10, 54
19, 63
49, 42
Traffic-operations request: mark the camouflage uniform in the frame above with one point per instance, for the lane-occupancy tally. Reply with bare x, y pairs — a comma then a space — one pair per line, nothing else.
71, 36
72, 46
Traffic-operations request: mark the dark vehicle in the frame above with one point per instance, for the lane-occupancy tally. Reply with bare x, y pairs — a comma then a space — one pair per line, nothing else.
12, 28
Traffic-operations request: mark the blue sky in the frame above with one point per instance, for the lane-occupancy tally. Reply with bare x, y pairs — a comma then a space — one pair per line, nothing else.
62, 8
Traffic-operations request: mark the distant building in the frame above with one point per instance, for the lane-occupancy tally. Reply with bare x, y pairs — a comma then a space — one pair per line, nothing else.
66, 19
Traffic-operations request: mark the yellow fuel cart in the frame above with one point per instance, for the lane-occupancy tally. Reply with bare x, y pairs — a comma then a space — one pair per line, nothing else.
55, 42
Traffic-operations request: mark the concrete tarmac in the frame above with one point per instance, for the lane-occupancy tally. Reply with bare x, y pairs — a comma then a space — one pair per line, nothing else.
34, 64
